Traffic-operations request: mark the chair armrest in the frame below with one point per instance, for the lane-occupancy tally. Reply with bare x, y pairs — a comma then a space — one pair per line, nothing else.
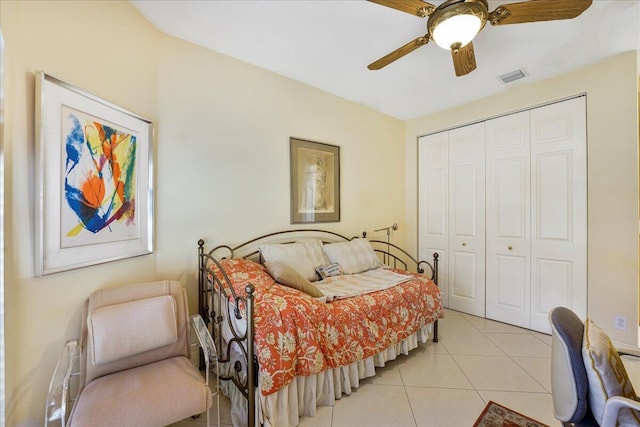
629, 352
210, 358
62, 393
613, 406
204, 338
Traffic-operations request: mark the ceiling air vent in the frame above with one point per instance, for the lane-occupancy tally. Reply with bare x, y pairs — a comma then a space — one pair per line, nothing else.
513, 75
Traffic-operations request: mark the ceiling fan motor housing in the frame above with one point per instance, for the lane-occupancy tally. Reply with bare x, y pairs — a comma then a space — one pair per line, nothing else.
456, 8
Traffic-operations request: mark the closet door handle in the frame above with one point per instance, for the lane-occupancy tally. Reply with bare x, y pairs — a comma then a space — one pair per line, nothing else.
510, 247
464, 244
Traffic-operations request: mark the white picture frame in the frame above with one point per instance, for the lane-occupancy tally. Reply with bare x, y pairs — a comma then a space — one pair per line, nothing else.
94, 179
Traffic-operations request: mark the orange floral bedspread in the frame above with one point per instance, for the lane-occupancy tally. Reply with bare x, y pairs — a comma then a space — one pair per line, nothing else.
297, 335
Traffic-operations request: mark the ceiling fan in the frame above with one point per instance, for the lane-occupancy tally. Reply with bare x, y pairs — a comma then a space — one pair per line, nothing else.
455, 23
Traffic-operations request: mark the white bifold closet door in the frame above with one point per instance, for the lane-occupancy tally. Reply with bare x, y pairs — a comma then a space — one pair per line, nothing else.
508, 219
433, 184
536, 214
559, 210
504, 203
466, 219
451, 214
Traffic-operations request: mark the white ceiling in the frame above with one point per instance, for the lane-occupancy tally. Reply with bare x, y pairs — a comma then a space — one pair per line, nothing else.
329, 43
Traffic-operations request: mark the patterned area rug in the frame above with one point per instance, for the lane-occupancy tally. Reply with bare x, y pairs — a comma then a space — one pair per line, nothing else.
495, 415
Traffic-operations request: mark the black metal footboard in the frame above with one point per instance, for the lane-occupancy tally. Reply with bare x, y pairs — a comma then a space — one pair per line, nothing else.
215, 294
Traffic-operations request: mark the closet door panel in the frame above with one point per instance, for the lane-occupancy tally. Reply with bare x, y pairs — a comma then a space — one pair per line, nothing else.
436, 227
559, 211
554, 282
508, 252
554, 201
511, 270
433, 188
436, 212
510, 185
466, 220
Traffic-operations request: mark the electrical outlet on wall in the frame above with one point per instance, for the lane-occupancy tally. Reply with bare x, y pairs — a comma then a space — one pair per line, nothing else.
620, 323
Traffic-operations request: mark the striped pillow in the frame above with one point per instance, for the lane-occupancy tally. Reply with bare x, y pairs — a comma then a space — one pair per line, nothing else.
329, 271
606, 374
354, 256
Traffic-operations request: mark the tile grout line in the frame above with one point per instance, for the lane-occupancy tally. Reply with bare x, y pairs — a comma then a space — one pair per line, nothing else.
519, 365
460, 367
484, 334
406, 394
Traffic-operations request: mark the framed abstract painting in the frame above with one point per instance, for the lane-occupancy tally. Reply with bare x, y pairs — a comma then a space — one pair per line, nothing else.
315, 182
94, 179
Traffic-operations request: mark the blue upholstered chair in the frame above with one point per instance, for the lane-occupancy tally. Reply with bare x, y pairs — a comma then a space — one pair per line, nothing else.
570, 379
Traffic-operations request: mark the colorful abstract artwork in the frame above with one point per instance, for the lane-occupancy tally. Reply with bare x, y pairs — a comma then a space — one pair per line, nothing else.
94, 177
99, 167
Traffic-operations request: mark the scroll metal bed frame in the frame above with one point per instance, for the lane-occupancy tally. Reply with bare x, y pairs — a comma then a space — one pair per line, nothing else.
216, 294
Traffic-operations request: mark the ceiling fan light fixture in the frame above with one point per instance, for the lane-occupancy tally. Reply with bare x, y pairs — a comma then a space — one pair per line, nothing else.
458, 31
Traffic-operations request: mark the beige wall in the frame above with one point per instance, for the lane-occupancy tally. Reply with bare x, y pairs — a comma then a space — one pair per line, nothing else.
222, 162
221, 158
116, 61
612, 149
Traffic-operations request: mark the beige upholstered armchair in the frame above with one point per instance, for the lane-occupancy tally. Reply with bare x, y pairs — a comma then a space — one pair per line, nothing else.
131, 365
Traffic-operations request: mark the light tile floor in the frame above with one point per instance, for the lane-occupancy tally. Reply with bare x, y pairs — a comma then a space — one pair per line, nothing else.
449, 383
446, 383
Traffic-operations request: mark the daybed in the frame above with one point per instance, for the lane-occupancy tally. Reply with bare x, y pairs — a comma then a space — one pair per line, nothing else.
307, 351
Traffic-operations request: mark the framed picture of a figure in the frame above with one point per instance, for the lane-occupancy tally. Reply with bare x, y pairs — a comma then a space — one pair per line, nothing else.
315, 182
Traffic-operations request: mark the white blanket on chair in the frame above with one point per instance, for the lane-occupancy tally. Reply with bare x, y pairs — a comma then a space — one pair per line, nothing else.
350, 285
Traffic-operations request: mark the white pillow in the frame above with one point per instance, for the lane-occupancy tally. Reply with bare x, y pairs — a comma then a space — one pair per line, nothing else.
354, 256
606, 374
302, 256
314, 252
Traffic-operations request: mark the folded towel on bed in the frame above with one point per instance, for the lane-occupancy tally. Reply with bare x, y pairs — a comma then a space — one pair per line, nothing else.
350, 285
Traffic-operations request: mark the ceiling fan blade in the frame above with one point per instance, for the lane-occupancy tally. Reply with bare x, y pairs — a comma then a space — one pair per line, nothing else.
538, 10
464, 59
399, 53
414, 7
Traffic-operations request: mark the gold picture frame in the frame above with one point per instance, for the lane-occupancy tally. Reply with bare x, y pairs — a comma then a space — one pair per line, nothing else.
315, 181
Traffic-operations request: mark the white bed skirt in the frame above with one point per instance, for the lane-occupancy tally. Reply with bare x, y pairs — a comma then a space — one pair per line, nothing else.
304, 394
